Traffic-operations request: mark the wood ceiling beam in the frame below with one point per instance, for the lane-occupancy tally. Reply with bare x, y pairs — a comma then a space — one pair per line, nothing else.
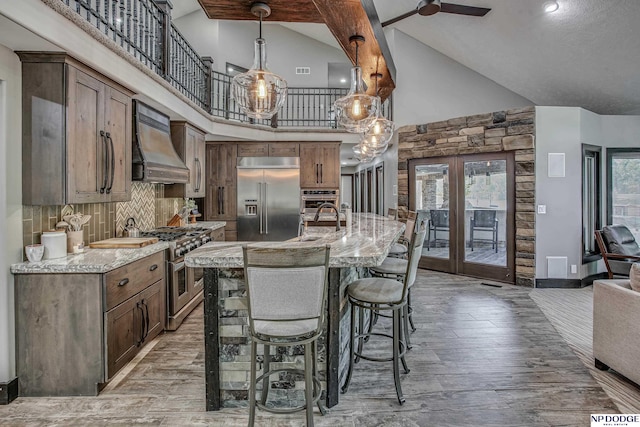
349, 17
281, 10
344, 18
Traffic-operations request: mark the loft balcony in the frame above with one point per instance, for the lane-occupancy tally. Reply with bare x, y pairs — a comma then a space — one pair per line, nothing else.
143, 29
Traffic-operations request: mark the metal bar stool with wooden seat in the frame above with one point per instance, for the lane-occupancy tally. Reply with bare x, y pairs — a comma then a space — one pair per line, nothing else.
382, 294
286, 293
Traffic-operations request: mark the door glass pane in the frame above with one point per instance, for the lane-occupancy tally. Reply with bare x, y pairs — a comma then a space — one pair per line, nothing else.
485, 209
432, 202
625, 191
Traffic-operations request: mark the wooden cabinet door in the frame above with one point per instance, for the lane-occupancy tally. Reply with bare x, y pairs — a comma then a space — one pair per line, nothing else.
153, 302
87, 145
124, 333
118, 130
221, 175
330, 166
253, 149
284, 149
309, 166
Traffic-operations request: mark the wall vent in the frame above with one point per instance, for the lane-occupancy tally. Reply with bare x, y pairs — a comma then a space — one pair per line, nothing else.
303, 70
557, 267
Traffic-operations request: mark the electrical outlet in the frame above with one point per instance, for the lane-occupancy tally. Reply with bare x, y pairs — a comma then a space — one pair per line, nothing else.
574, 269
395, 190
542, 209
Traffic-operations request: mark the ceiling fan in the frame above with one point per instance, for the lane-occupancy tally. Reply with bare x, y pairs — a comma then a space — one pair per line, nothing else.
430, 7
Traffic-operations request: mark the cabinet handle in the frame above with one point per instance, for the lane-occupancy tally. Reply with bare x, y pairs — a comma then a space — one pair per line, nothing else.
113, 162
218, 199
105, 165
321, 174
198, 175
154, 267
146, 309
123, 281
142, 325
222, 201
317, 174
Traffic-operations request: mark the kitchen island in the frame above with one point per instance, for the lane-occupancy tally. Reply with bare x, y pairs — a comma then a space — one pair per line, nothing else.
363, 243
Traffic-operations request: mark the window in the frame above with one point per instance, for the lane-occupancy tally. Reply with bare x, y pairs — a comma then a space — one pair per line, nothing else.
591, 206
623, 188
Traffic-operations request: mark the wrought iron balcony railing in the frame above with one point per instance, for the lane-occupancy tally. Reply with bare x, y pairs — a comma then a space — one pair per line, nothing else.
144, 29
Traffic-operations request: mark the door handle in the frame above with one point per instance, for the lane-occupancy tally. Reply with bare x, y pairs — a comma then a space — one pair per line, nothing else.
266, 210
113, 162
260, 205
105, 163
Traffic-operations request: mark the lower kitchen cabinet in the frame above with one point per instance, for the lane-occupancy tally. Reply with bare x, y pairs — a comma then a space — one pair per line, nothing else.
75, 331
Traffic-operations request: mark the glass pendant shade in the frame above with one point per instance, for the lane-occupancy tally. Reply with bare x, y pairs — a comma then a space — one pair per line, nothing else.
259, 92
356, 111
366, 154
379, 133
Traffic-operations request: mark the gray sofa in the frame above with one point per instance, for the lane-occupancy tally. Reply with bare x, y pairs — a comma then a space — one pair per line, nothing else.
616, 327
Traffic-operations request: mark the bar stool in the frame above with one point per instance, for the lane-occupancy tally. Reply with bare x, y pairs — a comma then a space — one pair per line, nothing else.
286, 293
383, 294
401, 247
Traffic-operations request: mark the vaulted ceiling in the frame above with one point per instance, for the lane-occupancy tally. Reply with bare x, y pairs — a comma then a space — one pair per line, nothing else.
586, 54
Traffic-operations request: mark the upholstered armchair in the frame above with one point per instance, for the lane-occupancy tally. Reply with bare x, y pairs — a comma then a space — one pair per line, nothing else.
618, 248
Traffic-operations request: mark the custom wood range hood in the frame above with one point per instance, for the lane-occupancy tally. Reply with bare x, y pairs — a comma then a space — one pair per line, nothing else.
344, 18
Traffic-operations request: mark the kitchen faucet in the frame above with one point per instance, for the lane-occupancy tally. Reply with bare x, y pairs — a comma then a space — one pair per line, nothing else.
332, 206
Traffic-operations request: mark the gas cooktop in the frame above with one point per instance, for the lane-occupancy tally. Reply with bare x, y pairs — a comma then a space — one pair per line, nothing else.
170, 234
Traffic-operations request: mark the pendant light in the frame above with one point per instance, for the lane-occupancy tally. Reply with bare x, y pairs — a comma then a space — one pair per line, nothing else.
259, 92
357, 111
380, 133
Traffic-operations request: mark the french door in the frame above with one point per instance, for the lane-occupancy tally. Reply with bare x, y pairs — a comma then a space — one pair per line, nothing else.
468, 203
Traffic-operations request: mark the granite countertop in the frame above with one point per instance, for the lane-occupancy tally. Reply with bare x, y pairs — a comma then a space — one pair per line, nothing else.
364, 243
100, 260
90, 261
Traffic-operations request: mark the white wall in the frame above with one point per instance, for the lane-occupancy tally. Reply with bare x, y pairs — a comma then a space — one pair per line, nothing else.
564, 130
10, 201
559, 231
434, 87
233, 42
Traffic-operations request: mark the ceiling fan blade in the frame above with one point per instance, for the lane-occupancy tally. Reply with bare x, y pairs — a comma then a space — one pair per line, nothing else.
459, 9
399, 18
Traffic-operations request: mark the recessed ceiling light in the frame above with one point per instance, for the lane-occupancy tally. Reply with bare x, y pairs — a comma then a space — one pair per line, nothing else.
343, 80
230, 69
551, 6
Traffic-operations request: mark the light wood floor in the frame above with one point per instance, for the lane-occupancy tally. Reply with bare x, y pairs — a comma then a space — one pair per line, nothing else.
482, 356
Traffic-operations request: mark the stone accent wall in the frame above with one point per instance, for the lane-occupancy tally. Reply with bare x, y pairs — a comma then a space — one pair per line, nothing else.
510, 130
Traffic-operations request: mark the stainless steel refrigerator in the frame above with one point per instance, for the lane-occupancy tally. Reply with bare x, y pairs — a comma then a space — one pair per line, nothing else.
268, 198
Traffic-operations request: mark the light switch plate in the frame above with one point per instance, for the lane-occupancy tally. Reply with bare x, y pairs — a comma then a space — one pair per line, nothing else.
542, 209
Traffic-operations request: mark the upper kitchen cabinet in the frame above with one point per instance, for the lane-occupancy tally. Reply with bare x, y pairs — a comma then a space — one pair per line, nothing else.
190, 145
268, 149
320, 165
76, 134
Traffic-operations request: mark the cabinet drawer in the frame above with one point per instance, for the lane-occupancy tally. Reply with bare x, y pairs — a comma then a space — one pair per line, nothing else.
130, 279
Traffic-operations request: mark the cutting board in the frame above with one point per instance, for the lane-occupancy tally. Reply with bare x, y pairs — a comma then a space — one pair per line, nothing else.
123, 242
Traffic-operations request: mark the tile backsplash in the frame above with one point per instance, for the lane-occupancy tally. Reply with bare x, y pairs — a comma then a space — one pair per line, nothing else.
148, 206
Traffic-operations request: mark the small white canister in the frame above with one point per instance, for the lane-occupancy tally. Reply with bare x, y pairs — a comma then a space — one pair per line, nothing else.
55, 244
